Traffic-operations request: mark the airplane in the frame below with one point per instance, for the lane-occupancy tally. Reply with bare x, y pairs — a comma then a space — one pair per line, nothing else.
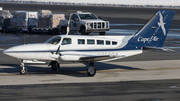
89, 49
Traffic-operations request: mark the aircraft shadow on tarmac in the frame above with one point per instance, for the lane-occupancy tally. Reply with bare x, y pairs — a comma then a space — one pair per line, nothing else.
77, 71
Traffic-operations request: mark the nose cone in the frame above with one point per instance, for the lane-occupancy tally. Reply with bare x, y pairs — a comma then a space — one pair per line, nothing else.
8, 51
27, 52
4, 51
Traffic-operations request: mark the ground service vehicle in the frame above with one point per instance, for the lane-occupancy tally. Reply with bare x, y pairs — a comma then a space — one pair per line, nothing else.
85, 23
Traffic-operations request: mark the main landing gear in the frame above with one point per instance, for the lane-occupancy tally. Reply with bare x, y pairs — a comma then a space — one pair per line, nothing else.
91, 71
54, 65
23, 69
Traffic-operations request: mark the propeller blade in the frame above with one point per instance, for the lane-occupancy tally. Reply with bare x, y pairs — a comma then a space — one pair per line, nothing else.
57, 50
55, 55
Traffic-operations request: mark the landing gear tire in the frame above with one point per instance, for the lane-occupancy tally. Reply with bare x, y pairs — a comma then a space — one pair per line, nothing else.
55, 66
91, 71
23, 70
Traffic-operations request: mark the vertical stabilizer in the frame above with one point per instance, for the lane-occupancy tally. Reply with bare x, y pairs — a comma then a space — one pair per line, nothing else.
154, 33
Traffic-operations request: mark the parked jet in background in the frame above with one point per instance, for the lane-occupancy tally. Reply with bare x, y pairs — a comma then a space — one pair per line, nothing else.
89, 49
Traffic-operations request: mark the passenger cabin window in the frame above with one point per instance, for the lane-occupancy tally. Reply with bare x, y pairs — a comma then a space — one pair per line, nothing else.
90, 41
54, 40
100, 42
108, 43
114, 43
66, 41
81, 41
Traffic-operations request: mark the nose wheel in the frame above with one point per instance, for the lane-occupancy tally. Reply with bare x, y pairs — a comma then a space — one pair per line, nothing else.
23, 69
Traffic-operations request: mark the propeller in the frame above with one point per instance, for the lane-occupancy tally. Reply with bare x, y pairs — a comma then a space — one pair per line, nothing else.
56, 55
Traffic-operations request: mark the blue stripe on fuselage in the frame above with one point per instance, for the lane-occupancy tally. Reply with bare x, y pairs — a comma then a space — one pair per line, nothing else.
84, 50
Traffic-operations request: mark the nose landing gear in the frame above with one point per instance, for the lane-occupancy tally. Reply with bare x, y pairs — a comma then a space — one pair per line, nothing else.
23, 69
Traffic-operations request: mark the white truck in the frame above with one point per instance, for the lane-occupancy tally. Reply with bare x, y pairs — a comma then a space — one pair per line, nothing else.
83, 22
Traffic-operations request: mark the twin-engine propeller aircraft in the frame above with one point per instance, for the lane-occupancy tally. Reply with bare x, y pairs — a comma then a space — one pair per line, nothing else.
90, 49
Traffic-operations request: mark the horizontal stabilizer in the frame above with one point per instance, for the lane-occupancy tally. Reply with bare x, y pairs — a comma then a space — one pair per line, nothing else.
158, 48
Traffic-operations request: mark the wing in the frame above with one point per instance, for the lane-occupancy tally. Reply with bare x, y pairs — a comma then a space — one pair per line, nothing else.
96, 58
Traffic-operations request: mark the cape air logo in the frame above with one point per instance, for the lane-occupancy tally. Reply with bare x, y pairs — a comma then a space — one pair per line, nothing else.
161, 23
153, 38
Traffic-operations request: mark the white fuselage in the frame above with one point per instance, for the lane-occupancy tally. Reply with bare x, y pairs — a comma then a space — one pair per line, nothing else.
73, 48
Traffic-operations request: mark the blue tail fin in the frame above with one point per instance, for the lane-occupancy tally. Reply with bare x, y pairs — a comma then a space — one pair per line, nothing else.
154, 33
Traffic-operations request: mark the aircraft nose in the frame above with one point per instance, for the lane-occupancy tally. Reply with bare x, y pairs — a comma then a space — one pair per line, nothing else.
8, 51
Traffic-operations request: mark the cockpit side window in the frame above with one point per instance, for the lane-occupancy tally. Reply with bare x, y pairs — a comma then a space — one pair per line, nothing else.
54, 40
66, 41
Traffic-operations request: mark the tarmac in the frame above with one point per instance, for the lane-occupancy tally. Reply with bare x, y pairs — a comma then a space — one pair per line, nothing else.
106, 72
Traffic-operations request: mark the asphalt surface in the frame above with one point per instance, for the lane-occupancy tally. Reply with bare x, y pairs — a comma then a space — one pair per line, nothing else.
162, 90
151, 90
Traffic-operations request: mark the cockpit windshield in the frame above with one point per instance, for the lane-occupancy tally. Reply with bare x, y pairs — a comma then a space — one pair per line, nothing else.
87, 16
54, 40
